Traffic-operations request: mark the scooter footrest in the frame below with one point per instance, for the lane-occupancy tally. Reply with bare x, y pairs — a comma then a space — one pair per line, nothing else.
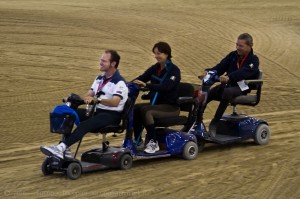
223, 139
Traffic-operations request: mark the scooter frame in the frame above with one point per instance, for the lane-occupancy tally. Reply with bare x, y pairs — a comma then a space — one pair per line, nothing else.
172, 142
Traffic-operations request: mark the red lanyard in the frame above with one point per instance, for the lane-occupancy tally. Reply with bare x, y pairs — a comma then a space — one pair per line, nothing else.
103, 83
158, 71
242, 62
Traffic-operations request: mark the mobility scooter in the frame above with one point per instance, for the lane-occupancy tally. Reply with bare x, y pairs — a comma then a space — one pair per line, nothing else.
234, 127
171, 142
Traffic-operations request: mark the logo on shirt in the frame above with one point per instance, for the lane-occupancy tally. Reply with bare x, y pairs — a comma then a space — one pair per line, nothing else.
172, 78
251, 65
119, 92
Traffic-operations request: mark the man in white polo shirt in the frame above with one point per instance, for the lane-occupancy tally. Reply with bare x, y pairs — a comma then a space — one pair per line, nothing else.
109, 107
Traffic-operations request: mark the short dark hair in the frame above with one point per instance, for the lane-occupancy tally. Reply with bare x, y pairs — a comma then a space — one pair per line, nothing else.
114, 56
163, 47
247, 37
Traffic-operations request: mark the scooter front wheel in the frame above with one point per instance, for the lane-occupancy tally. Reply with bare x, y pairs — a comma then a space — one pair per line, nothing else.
46, 168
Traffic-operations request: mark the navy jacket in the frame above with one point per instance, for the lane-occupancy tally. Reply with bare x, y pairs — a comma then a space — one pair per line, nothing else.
249, 69
168, 88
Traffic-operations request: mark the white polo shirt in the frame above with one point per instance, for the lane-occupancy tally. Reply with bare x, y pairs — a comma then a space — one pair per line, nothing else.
113, 86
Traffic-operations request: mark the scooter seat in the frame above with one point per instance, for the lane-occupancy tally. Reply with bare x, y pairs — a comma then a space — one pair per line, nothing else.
244, 100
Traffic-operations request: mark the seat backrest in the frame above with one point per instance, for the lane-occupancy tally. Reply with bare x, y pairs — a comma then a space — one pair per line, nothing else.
127, 108
258, 87
186, 90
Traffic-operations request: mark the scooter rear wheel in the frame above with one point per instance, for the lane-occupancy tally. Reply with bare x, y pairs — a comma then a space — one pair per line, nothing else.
262, 134
74, 171
190, 150
125, 162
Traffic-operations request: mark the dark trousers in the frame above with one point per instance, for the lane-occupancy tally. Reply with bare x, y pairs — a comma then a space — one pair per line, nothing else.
224, 95
145, 113
100, 119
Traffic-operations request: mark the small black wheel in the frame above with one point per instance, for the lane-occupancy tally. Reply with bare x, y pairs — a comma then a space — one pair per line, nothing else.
190, 150
262, 134
201, 144
74, 170
125, 162
46, 168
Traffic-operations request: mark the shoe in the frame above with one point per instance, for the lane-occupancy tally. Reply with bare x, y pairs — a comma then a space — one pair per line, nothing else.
53, 150
212, 129
152, 147
68, 153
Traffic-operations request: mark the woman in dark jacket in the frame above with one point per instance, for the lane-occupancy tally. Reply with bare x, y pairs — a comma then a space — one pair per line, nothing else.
163, 78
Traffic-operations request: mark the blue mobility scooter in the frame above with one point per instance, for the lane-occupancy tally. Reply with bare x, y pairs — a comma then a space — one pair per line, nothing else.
234, 127
171, 142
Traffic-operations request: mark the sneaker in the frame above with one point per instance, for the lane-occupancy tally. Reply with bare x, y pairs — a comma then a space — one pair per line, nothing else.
212, 129
152, 147
53, 150
68, 153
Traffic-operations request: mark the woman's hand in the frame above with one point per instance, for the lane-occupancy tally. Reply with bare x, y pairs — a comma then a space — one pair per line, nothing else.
140, 83
224, 79
203, 75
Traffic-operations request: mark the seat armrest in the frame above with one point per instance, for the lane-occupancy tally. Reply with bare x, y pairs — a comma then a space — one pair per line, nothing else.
253, 81
185, 100
145, 96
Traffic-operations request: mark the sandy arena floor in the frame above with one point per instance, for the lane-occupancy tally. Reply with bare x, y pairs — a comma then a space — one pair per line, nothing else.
51, 48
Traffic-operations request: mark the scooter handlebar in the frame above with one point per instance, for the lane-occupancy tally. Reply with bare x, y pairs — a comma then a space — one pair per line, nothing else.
73, 98
144, 89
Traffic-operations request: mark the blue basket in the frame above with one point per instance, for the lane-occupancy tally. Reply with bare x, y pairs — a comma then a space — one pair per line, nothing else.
61, 123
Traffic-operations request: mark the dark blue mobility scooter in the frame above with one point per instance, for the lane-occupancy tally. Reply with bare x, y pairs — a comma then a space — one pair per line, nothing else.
234, 127
171, 142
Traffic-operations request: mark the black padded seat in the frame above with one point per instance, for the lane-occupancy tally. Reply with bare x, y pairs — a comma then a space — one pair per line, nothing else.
111, 129
185, 102
245, 100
